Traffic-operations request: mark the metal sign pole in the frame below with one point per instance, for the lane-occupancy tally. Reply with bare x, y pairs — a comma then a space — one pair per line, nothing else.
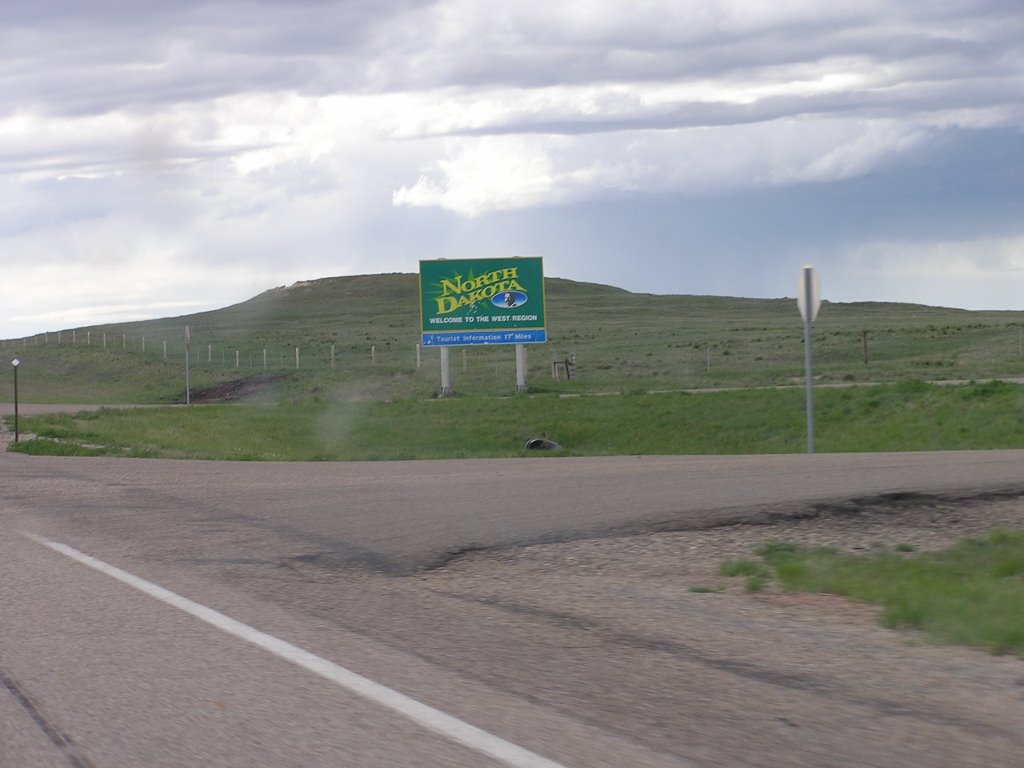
188, 387
15, 362
807, 367
808, 301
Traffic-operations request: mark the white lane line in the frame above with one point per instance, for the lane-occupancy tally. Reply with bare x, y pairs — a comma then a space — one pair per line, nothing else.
422, 714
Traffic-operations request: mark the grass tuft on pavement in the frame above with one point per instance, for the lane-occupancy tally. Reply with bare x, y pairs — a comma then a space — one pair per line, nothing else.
970, 594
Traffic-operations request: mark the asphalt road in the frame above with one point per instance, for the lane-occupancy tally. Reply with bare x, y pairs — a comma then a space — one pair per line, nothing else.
398, 517
320, 568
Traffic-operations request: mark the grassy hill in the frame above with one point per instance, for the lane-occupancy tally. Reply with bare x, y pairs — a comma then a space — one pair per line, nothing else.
622, 342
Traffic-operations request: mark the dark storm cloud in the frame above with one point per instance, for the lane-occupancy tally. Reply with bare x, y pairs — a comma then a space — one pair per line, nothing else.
654, 44
72, 57
87, 58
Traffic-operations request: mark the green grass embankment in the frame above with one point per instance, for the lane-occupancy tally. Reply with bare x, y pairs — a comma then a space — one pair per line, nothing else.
910, 416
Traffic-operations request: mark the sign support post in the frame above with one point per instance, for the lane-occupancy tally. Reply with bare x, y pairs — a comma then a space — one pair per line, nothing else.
446, 372
808, 301
15, 363
520, 367
188, 386
810, 386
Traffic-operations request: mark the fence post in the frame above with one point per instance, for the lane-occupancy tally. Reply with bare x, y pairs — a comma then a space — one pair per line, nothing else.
296, 357
332, 356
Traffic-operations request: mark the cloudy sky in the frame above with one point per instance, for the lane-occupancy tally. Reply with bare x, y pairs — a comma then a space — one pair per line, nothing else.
157, 158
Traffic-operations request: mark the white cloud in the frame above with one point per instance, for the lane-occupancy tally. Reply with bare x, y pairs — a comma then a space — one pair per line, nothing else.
963, 258
260, 142
982, 273
508, 172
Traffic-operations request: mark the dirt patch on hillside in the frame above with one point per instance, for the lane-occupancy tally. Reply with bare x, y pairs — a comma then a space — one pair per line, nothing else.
236, 389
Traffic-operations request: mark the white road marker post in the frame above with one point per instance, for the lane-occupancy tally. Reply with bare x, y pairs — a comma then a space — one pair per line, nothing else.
14, 364
809, 301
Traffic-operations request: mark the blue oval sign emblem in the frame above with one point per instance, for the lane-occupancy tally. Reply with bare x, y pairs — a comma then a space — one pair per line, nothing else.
509, 299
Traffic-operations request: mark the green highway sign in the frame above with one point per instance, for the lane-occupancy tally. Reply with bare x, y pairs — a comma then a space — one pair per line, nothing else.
482, 301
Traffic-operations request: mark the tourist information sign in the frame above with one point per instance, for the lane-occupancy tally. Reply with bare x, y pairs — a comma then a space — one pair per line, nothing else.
482, 301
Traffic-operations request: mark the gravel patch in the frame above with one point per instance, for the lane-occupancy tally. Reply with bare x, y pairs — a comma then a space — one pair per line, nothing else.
580, 575
919, 522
